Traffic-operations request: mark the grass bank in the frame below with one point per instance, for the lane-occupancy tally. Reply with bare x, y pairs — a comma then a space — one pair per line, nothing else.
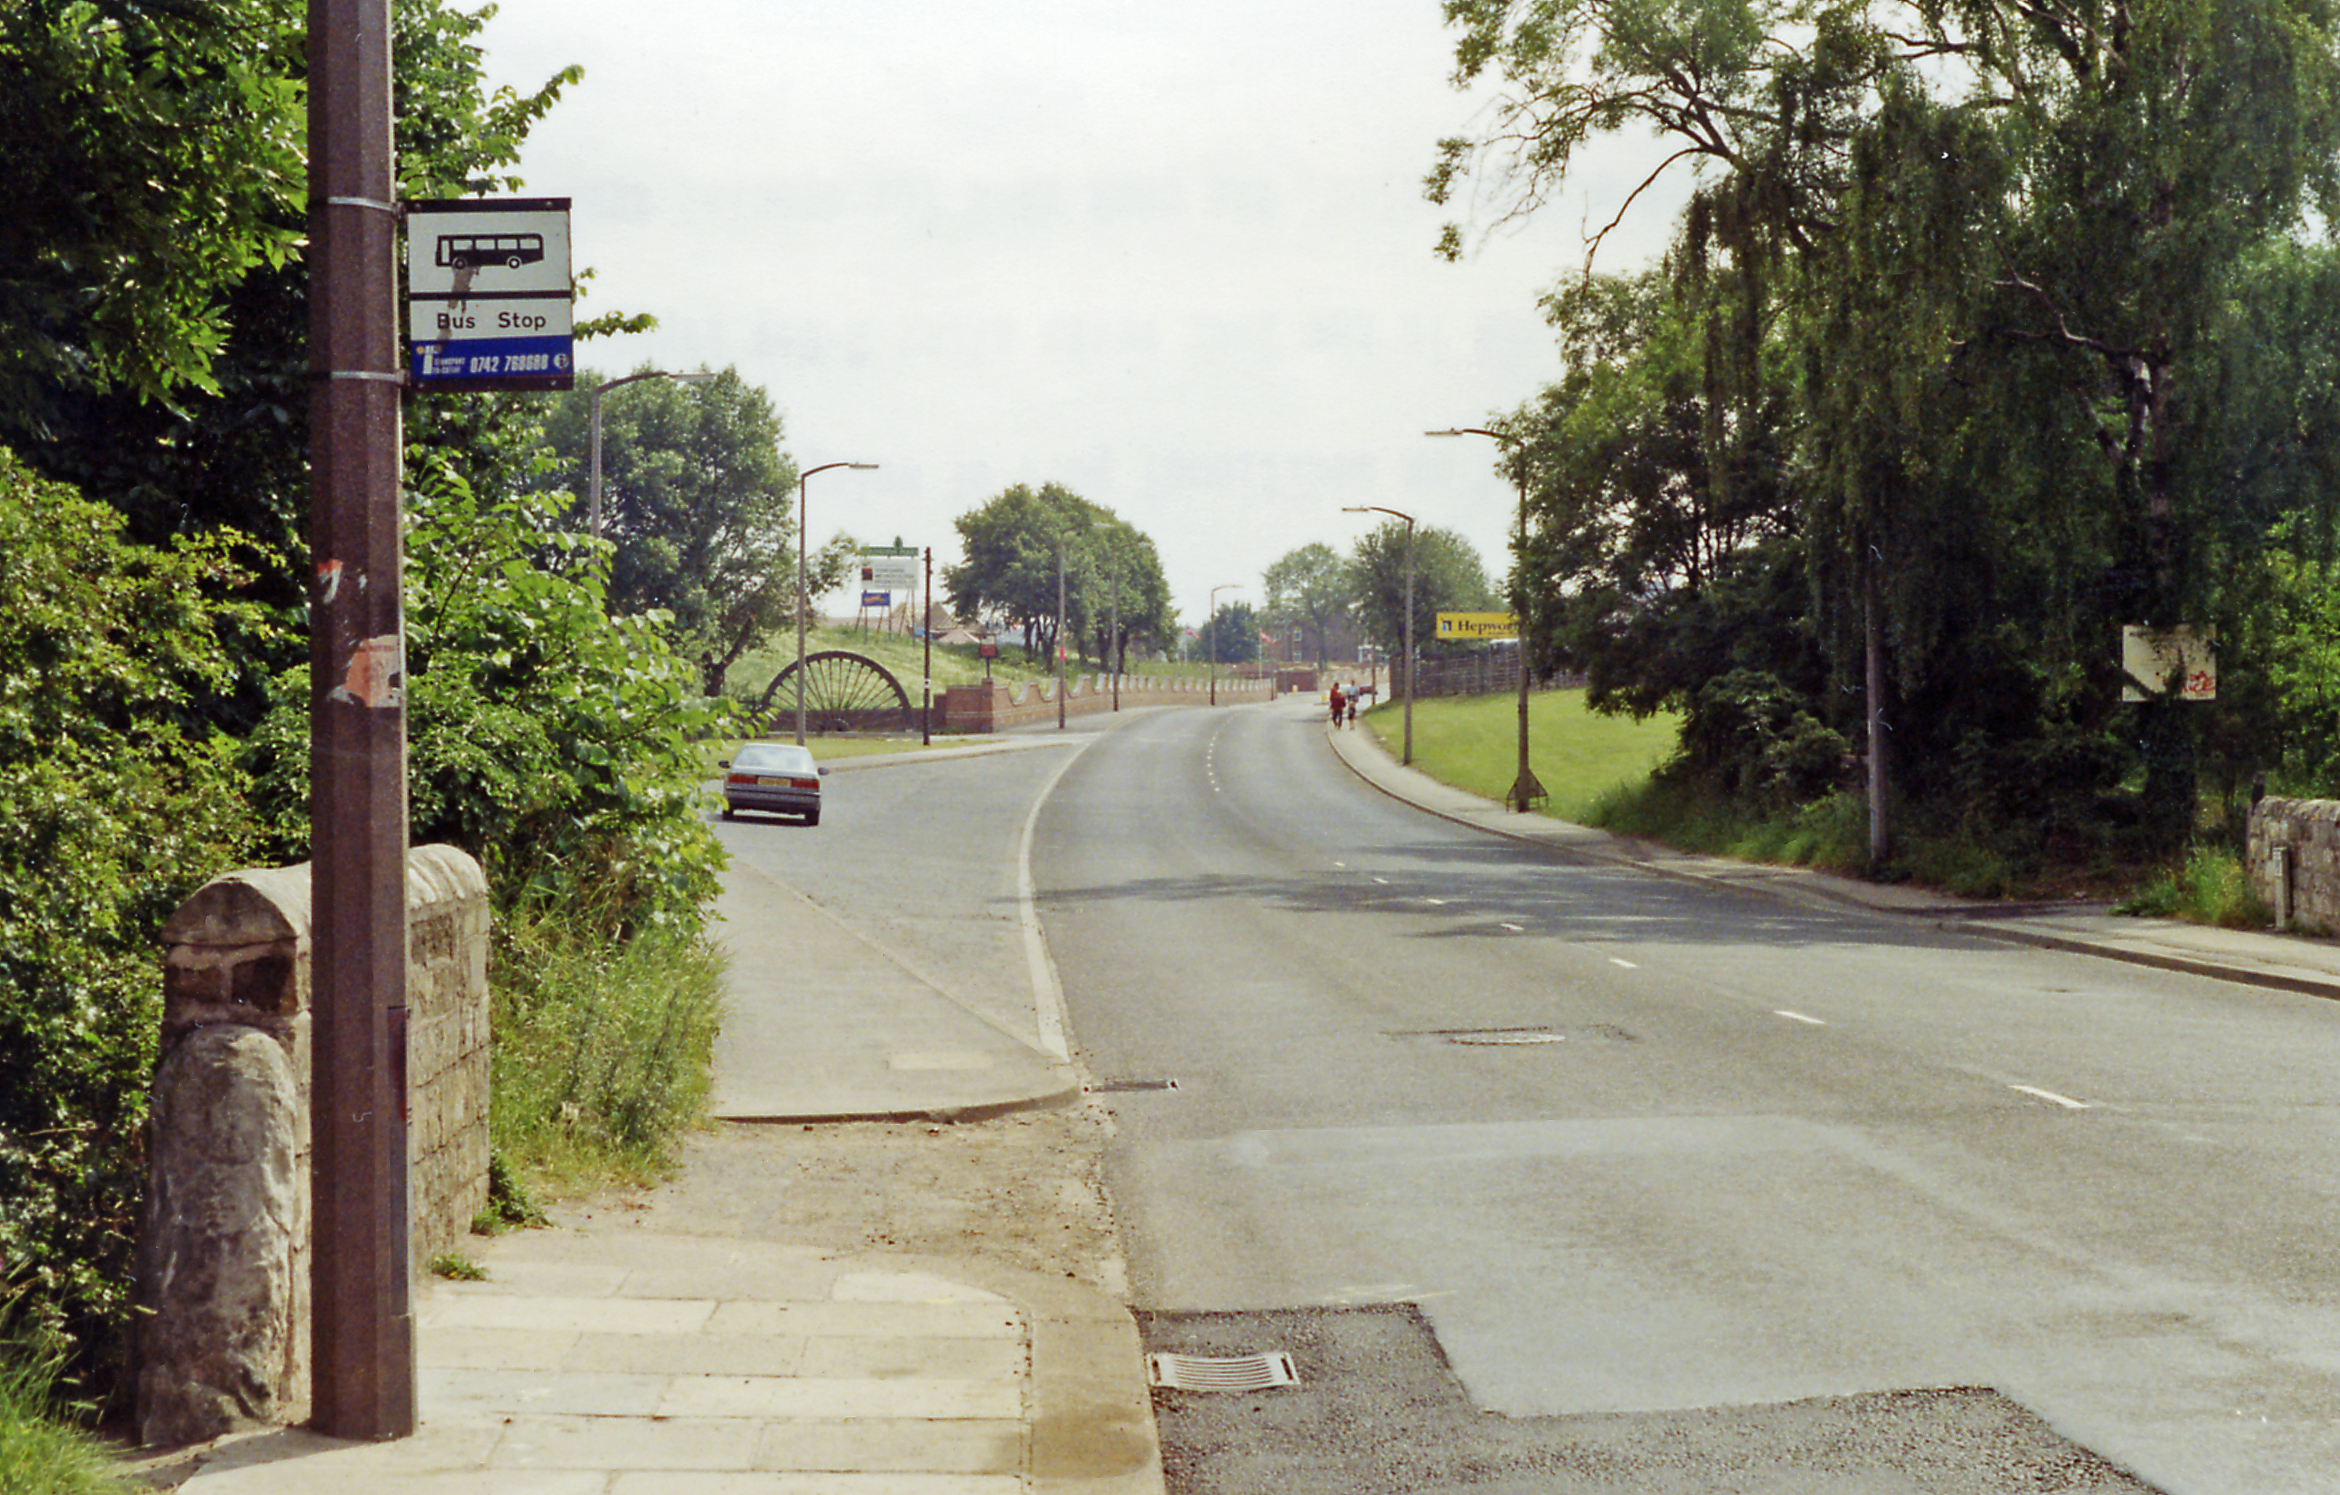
1582, 757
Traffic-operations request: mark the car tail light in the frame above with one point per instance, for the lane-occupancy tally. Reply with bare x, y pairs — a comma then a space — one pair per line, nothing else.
739, 778
804, 783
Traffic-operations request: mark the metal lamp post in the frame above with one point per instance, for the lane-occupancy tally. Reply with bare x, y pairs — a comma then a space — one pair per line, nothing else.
804, 581
593, 509
1526, 791
1212, 621
1408, 757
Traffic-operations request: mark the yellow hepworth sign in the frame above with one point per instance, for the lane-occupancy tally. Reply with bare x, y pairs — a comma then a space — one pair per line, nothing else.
1478, 625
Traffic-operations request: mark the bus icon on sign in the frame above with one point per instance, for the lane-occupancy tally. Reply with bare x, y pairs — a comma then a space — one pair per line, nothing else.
464, 251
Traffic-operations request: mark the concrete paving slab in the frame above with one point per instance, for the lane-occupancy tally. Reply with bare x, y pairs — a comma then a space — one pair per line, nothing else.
602, 1315
613, 1443
675, 1483
884, 1320
453, 1393
799, 1398
696, 1355
894, 1446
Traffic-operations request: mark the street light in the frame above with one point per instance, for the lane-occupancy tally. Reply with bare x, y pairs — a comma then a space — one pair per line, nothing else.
1526, 792
1211, 621
804, 581
593, 510
1408, 758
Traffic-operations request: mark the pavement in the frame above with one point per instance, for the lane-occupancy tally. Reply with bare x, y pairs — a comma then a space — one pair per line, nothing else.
593, 1361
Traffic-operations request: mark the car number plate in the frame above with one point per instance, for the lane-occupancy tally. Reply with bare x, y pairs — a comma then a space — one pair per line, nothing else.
769, 779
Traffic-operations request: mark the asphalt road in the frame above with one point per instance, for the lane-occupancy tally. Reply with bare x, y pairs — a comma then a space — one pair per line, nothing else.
1640, 1147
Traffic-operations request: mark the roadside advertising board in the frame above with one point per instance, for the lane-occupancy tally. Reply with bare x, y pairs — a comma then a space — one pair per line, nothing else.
488, 294
891, 567
1477, 625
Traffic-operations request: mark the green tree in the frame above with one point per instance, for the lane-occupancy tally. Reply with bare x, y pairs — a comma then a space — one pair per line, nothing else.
151, 159
1231, 636
1448, 577
1313, 588
1012, 547
698, 501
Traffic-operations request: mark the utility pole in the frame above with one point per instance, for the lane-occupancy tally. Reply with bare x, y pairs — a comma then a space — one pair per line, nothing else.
1060, 633
1526, 790
926, 626
362, 1318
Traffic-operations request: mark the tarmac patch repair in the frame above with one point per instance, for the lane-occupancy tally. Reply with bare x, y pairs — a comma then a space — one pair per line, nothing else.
1377, 1411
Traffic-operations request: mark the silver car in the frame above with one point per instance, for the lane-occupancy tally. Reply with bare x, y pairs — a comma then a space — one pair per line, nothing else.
779, 777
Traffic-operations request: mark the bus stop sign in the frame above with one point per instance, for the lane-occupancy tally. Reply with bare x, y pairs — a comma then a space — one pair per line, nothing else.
488, 293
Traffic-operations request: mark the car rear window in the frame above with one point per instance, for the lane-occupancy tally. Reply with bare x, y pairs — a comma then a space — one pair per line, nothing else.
773, 758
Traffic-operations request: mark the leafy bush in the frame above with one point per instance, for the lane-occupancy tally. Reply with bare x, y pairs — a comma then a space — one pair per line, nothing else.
557, 744
117, 805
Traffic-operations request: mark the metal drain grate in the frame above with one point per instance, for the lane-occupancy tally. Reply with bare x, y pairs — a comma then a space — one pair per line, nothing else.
1121, 1087
1216, 1373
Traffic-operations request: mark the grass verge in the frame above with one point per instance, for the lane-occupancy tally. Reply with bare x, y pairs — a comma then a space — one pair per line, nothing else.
2208, 887
1581, 756
601, 1055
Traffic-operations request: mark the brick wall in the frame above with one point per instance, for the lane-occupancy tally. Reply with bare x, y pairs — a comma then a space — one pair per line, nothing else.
995, 705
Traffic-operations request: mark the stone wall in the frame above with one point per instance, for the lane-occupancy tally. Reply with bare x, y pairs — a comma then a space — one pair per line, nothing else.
224, 1248
994, 705
2294, 862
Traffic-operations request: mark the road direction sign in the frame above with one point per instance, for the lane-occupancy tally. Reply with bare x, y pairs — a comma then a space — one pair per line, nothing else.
488, 293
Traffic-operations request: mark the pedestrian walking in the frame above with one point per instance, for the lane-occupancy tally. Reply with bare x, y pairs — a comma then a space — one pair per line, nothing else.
1352, 709
1339, 703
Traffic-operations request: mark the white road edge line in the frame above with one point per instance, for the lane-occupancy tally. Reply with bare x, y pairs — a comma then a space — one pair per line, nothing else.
1627, 964
1047, 987
1797, 1017
2065, 1101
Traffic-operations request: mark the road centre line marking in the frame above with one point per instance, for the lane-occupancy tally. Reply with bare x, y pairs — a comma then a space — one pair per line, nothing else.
1627, 964
1797, 1017
2065, 1101
1382, 880
1515, 928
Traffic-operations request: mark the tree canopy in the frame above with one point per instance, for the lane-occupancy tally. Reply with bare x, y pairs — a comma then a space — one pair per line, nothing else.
1012, 545
698, 503
1314, 589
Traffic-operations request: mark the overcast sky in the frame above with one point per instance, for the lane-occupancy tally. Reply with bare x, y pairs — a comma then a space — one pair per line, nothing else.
1174, 257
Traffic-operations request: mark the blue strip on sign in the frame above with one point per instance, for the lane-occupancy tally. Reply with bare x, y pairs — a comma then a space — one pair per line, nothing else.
877, 599
492, 358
